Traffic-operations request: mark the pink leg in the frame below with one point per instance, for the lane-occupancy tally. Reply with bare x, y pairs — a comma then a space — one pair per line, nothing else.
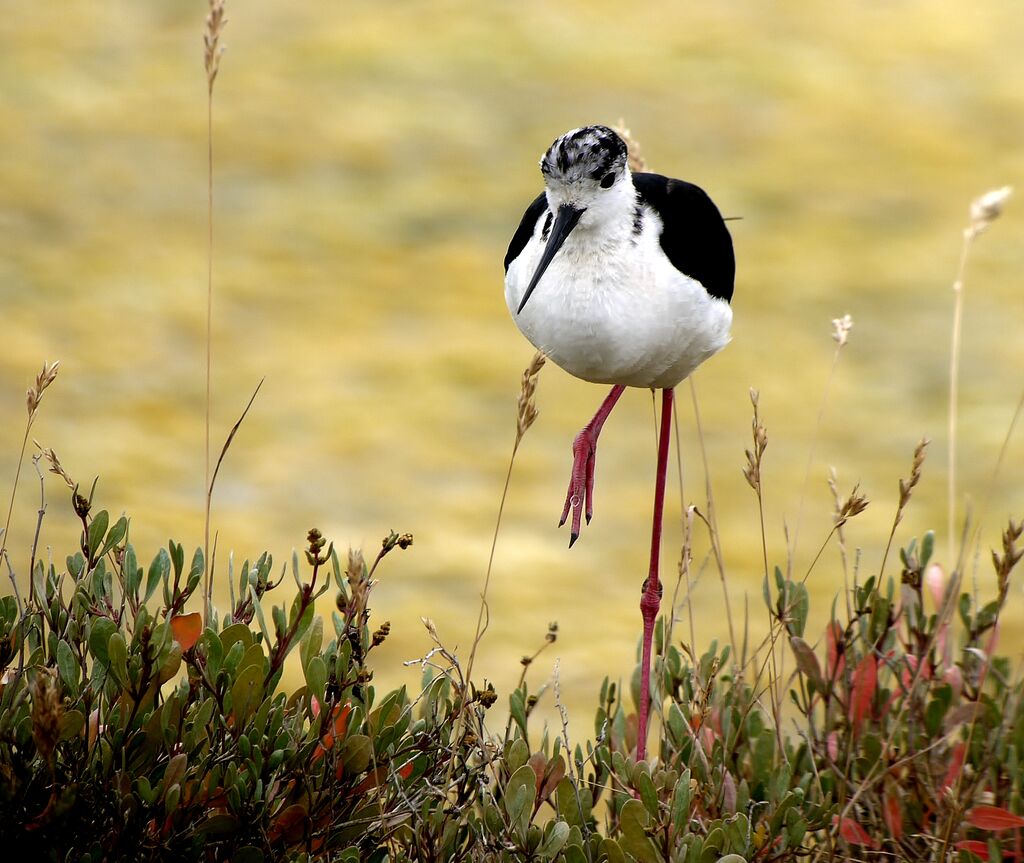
650, 599
584, 450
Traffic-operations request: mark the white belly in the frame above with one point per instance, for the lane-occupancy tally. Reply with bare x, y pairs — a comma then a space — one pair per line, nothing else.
619, 314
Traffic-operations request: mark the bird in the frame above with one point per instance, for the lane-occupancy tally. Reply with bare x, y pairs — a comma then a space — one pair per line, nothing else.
626, 279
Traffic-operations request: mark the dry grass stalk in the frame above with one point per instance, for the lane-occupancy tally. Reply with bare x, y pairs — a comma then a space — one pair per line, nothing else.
527, 404
840, 334
907, 487
712, 519
212, 51
833, 485
752, 471
33, 397
55, 465
47, 711
854, 504
526, 414
983, 212
1010, 557
637, 163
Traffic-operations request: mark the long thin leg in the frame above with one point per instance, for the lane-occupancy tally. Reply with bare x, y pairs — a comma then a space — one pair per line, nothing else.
584, 451
650, 600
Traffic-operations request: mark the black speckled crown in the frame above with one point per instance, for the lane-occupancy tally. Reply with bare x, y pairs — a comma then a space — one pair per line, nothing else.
590, 152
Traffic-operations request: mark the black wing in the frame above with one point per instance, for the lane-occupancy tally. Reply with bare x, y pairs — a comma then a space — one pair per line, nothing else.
694, 235
525, 230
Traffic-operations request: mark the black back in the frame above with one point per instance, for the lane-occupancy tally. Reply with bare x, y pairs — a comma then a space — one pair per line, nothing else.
694, 236
525, 230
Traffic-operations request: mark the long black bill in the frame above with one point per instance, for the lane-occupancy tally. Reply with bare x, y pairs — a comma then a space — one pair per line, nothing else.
565, 220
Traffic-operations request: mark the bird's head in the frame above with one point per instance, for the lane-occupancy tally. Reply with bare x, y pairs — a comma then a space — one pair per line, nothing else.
587, 184
586, 169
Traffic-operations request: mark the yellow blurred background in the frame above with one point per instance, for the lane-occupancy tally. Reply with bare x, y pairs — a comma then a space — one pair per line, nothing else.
372, 161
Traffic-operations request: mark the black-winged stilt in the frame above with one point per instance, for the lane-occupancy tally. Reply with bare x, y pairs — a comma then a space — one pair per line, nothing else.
620, 278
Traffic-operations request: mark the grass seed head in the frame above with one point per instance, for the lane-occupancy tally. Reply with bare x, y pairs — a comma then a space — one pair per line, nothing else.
212, 49
987, 208
907, 485
527, 405
35, 393
854, 505
54, 462
752, 470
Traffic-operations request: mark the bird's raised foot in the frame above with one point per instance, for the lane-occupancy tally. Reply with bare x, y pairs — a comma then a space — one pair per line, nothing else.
579, 498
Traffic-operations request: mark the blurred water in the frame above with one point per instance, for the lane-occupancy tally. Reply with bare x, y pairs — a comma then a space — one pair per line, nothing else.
372, 162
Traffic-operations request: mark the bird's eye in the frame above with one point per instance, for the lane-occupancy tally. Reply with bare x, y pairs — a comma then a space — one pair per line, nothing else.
607, 181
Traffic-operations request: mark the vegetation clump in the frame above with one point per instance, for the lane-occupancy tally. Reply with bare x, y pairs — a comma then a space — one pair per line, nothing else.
129, 730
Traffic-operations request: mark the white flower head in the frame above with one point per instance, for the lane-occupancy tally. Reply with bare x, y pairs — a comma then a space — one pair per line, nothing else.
841, 329
988, 208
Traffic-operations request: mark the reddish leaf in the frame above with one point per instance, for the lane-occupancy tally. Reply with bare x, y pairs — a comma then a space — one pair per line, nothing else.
290, 825
853, 833
833, 746
973, 846
405, 771
806, 660
865, 679
893, 815
993, 818
336, 728
956, 764
935, 581
187, 628
836, 656
538, 764
373, 779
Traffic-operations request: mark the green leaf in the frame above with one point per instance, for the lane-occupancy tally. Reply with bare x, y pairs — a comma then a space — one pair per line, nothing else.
159, 569
71, 724
196, 570
518, 754
648, 794
177, 556
247, 690
520, 795
611, 850
68, 666
797, 607
311, 642
117, 656
927, 547
99, 635
115, 535
681, 796
557, 833
633, 820
132, 571
248, 854
259, 614
517, 707
237, 632
355, 754
316, 677
97, 530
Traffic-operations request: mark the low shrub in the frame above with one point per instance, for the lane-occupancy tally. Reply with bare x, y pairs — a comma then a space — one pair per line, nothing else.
131, 731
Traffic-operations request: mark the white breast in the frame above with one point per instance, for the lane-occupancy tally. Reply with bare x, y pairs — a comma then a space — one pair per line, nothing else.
612, 309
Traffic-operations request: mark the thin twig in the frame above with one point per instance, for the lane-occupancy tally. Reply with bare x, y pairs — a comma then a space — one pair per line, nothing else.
212, 51
712, 519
